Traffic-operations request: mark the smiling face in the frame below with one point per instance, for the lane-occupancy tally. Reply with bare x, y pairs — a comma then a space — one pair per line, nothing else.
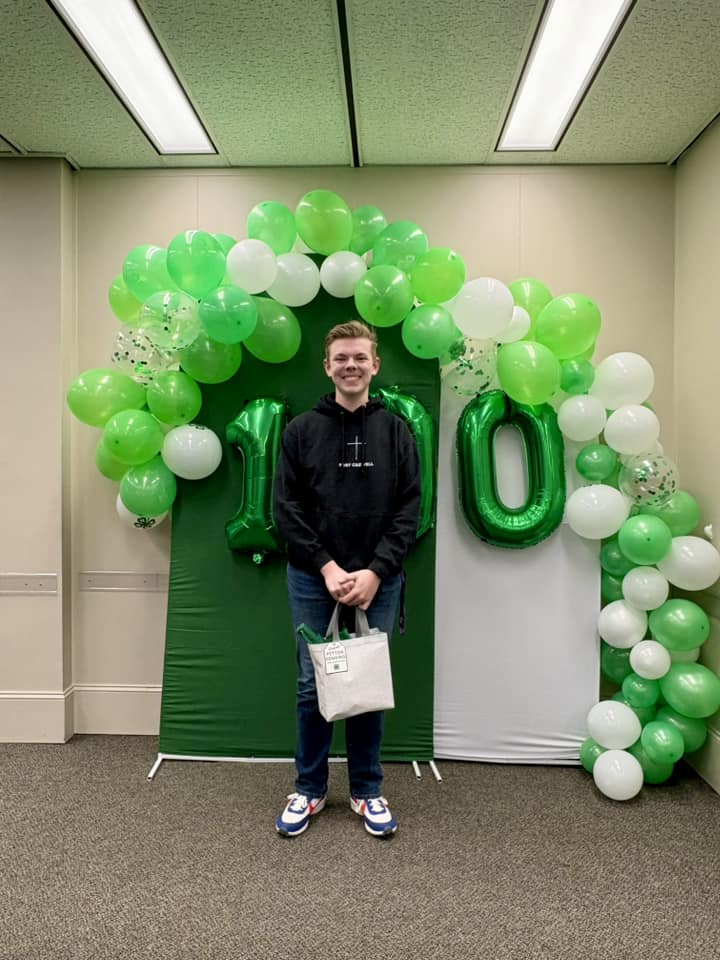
351, 365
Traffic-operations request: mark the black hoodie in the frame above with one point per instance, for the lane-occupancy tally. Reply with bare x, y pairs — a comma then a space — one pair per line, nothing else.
347, 488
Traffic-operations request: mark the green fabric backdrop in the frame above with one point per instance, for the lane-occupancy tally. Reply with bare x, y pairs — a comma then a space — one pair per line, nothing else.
229, 677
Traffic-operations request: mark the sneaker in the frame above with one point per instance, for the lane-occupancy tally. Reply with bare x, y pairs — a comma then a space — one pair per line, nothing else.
376, 814
295, 817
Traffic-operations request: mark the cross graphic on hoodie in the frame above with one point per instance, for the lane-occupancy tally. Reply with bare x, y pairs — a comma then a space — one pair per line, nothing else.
356, 443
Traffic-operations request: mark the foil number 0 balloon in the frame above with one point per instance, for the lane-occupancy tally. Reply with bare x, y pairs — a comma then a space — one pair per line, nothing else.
257, 431
485, 513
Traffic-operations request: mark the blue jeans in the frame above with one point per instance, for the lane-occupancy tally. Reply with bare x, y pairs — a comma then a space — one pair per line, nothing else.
311, 604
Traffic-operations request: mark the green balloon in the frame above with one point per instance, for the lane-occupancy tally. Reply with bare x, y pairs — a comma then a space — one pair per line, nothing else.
644, 714
148, 489
383, 296
324, 221
174, 398
663, 743
610, 587
274, 224
107, 464
614, 662
576, 376
528, 372
123, 304
681, 513
613, 560
693, 730
691, 689
428, 331
596, 462
145, 271
590, 750
368, 224
568, 325
226, 242
277, 336
133, 436
209, 362
97, 394
532, 295
437, 275
645, 540
679, 625
228, 314
639, 691
399, 245
196, 262
652, 772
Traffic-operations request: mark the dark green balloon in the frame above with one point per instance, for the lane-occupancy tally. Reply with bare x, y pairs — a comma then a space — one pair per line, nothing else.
576, 376
590, 750
679, 625
693, 730
610, 587
653, 772
644, 714
614, 662
662, 742
596, 462
613, 560
639, 691
148, 489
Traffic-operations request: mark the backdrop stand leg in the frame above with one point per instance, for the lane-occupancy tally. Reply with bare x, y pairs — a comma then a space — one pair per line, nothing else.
416, 768
436, 772
156, 766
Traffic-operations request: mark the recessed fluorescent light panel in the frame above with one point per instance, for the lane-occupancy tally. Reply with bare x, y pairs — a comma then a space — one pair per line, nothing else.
569, 47
116, 37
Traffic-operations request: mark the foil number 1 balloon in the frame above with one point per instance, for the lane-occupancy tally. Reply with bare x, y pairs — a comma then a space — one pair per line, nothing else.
485, 513
257, 431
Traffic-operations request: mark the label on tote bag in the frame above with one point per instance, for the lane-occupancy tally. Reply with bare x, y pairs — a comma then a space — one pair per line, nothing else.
335, 658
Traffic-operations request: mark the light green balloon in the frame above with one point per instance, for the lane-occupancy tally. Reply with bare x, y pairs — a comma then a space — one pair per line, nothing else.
324, 221
226, 242
145, 271
228, 314
644, 540
383, 296
693, 730
107, 464
97, 394
399, 245
437, 275
595, 462
368, 224
123, 304
576, 376
663, 742
691, 689
428, 331
274, 224
277, 335
528, 372
568, 325
209, 362
174, 398
133, 436
681, 513
679, 625
639, 691
532, 295
148, 489
195, 262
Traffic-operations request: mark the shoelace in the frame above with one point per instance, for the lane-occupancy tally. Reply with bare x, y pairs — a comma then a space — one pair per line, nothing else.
377, 805
299, 802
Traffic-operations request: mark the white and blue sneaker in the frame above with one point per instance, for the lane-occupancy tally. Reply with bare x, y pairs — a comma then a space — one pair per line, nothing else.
295, 817
376, 815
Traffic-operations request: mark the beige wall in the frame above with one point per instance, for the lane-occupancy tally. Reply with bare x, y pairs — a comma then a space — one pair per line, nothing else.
697, 361
604, 231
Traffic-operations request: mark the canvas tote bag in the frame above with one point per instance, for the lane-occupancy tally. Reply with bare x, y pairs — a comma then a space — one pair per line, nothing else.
352, 675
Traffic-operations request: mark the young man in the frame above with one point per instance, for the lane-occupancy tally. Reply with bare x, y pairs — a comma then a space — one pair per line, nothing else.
347, 498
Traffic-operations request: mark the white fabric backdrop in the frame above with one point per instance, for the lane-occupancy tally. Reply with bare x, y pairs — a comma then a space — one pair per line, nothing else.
517, 651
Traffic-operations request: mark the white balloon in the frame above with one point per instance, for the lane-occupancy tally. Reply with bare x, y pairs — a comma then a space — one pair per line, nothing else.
622, 378
650, 659
133, 520
581, 418
645, 588
632, 429
613, 725
621, 625
618, 774
483, 308
519, 326
691, 563
297, 281
340, 273
191, 451
596, 511
252, 265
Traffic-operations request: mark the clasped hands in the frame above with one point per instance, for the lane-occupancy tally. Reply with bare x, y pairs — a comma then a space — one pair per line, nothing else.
356, 588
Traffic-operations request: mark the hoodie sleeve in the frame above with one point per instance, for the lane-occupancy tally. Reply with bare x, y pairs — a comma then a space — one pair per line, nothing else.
401, 533
288, 504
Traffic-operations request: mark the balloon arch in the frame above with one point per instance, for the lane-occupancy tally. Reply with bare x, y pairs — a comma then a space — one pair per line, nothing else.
520, 355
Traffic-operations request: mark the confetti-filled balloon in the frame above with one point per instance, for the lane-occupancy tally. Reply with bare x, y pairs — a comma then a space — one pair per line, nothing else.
649, 479
474, 370
136, 355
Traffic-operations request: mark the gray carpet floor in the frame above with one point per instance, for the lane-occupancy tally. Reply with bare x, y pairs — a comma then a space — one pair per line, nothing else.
495, 862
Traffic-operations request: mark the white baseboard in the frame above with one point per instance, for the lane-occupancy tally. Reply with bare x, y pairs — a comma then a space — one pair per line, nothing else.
49, 716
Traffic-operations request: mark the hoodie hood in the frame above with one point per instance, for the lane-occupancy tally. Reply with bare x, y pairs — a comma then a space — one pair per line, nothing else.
331, 408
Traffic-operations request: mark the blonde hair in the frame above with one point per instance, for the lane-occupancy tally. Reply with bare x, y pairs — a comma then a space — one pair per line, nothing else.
352, 330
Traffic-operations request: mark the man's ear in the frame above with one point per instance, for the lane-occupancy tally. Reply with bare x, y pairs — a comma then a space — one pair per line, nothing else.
326, 367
